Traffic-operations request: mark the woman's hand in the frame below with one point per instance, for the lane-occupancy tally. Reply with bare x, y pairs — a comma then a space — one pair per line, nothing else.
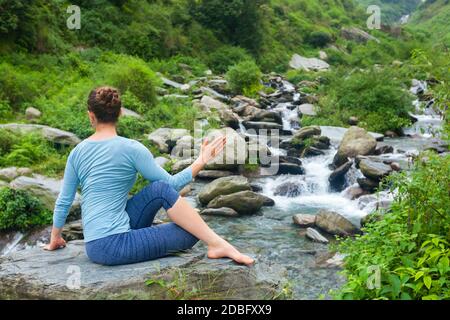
211, 150
56, 241
208, 152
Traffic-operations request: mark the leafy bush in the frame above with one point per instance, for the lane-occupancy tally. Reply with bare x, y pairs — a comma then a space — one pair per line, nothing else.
319, 39
226, 56
409, 248
245, 78
16, 86
21, 211
31, 150
134, 75
376, 97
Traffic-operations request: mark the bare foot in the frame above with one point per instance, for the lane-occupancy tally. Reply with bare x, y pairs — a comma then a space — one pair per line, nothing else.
225, 250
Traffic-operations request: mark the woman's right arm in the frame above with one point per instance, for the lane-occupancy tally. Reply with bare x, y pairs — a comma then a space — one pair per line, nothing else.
62, 206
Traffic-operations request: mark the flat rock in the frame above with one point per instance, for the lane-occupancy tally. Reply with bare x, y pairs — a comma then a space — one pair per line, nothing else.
68, 274
214, 174
304, 220
308, 64
48, 133
315, 235
222, 212
130, 113
10, 173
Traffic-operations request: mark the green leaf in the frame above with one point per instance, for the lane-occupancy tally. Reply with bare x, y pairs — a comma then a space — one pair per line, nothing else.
427, 282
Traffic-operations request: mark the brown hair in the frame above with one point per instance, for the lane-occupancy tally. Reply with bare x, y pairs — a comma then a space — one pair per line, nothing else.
105, 103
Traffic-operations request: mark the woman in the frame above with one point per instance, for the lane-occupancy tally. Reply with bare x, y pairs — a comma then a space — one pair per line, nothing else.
118, 230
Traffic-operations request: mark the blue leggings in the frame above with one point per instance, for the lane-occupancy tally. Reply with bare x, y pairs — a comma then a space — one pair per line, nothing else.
143, 242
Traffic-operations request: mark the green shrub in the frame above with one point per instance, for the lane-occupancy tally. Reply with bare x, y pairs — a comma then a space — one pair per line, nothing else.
225, 57
319, 39
21, 211
132, 74
16, 86
409, 247
245, 78
377, 97
5, 110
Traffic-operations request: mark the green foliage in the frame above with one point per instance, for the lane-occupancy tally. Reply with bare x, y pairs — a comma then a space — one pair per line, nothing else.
132, 74
245, 78
319, 38
226, 56
406, 254
31, 150
376, 97
21, 211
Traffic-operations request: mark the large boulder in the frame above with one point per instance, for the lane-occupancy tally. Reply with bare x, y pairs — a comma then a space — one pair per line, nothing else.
223, 186
374, 170
307, 132
183, 148
227, 116
243, 202
166, 138
290, 168
48, 133
44, 188
32, 114
68, 274
356, 141
308, 64
234, 153
335, 224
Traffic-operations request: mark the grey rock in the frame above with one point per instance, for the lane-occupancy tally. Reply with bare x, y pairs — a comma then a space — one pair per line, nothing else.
244, 202
337, 178
10, 173
368, 185
358, 35
32, 113
214, 174
130, 113
48, 133
307, 109
335, 223
304, 220
176, 85
298, 62
262, 125
315, 235
290, 168
39, 274
46, 189
374, 170
161, 161
288, 189
356, 141
223, 186
222, 212
166, 138
308, 132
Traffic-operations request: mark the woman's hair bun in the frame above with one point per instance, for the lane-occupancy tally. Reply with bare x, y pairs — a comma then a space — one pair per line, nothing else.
105, 103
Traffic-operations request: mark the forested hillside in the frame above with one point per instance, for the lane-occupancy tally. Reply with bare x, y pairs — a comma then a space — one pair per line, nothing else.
392, 10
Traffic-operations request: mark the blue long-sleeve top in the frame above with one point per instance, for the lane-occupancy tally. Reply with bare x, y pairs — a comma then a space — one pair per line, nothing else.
106, 170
